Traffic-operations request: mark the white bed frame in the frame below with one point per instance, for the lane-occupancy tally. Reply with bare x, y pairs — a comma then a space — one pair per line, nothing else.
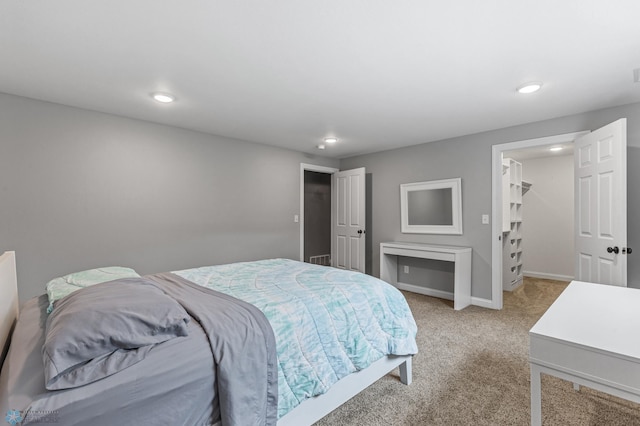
313, 409
8, 300
307, 413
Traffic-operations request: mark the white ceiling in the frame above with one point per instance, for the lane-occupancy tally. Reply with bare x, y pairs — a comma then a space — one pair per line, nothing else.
377, 75
539, 152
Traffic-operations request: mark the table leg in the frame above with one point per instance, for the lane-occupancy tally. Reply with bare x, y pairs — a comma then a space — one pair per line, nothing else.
536, 398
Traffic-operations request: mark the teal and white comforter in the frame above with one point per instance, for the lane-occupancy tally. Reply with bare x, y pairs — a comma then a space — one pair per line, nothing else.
328, 322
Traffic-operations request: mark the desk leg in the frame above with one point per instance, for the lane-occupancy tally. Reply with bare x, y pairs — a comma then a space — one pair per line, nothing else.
389, 268
462, 281
536, 398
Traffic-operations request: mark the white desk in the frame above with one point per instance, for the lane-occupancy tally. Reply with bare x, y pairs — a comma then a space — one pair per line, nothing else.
460, 256
591, 337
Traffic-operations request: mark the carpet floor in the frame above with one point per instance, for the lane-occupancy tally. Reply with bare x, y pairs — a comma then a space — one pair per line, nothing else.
473, 369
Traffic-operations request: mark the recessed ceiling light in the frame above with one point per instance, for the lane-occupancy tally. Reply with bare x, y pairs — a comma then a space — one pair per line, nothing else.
321, 146
530, 87
331, 140
165, 98
555, 148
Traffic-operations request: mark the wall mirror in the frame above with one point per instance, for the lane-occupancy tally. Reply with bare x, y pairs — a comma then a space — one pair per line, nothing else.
433, 207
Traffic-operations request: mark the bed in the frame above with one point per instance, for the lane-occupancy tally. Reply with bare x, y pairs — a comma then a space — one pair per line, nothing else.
178, 381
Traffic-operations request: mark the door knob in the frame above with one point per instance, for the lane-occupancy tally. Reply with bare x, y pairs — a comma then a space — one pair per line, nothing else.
627, 250
615, 250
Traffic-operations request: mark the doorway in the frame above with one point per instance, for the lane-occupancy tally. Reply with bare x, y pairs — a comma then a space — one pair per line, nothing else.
347, 215
498, 153
317, 218
314, 241
539, 241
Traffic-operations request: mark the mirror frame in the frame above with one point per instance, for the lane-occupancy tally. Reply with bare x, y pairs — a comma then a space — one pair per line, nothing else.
456, 207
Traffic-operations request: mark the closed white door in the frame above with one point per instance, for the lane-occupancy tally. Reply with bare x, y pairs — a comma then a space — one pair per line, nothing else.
348, 220
601, 205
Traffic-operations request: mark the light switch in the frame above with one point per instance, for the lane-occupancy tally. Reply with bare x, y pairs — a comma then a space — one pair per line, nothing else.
406, 269
296, 218
485, 219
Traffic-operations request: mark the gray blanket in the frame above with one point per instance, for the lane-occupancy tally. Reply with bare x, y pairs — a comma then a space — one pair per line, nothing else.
172, 386
243, 348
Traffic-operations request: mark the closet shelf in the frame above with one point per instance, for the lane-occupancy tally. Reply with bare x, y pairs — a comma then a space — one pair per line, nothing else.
513, 188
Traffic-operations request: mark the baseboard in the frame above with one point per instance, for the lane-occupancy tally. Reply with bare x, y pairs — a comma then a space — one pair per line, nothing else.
483, 303
425, 290
476, 301
547, 276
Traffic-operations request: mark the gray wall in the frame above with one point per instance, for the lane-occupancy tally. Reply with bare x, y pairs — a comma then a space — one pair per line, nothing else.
548, 235
469, 157
82, 189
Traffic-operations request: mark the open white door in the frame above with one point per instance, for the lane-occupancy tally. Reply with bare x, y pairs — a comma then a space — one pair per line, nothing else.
348, 219
601, 205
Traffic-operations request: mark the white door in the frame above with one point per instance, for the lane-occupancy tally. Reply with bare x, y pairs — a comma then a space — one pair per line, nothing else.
600, 159
348, 219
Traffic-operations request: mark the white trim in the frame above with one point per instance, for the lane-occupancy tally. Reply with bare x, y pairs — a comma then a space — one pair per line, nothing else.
455, 228
496, 205
547, 276
313, 168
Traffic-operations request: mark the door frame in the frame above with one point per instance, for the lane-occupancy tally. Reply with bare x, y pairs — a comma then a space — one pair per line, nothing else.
496, 202
313, 168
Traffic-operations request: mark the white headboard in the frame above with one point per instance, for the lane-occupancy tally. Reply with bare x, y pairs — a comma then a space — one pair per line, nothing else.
8, 299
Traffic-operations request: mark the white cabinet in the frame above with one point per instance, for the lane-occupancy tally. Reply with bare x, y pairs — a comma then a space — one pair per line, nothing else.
512, 224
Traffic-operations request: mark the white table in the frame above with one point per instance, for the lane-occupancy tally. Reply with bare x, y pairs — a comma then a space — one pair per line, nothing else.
460, 256
591, 337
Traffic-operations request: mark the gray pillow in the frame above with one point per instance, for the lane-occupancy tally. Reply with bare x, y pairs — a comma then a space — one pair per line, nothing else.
100, 330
